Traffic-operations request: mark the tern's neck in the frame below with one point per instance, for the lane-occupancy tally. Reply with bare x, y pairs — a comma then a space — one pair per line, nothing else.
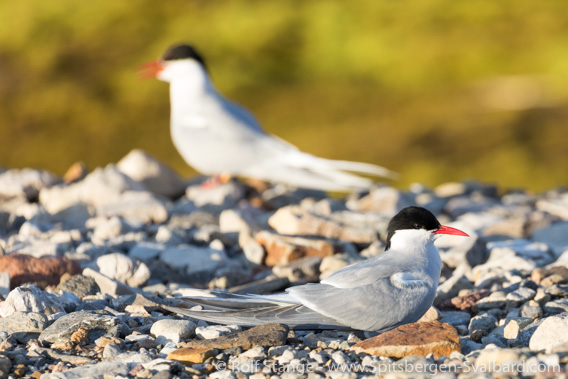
189, 90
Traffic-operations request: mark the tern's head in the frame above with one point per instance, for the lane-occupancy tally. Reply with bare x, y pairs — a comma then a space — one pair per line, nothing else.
178, 61
419, 219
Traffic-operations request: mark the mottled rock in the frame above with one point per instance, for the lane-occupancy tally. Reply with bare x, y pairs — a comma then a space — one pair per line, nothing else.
422, 338
30, 299
122, 268
27, 269
96, 324
264, 335
553, 331
79, 285
464, 302
483, 323
159, 178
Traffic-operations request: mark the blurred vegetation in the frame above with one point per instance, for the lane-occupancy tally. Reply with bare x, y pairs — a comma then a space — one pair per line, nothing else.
437, 90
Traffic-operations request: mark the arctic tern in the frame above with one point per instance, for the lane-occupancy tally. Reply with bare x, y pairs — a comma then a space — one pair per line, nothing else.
218, 137
394, 288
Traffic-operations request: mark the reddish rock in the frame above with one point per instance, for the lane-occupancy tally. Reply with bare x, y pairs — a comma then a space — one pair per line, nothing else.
464, 302
27, 269
190, 356
281, 250
76, 172
420, 338
549, 276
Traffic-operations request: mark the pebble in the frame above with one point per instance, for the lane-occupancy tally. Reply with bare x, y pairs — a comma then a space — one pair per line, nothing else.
87, 268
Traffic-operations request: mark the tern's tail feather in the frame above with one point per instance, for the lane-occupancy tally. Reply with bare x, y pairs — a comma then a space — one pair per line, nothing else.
254, 310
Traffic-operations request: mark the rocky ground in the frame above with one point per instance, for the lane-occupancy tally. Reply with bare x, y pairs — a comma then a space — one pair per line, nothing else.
89, 260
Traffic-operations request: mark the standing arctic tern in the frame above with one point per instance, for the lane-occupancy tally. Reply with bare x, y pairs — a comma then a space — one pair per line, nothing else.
394, 288
216, 136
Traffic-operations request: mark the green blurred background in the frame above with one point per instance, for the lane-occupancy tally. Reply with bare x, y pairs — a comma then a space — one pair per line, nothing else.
437, 90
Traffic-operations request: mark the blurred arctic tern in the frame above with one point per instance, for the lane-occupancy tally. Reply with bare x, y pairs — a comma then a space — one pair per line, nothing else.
218, 137
394, 288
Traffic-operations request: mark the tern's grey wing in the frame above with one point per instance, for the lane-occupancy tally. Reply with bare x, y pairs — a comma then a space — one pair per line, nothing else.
369, 271
382, 305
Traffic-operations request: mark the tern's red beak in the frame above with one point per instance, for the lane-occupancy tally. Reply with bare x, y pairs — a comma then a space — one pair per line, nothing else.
449, 230
151, 69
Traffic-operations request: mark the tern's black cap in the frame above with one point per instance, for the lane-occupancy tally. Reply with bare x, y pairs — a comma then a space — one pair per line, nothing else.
182, 51
412, 218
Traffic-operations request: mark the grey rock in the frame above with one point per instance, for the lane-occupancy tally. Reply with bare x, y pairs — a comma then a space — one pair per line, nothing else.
555, 235
4, 284
193, 260
532, 310
145, 251
216, 331
24, 325
124, 269
520, 296
497, 299
484, 322
30, 299
494, 340
79, 285
108, 285
93, 371
156, 176
553, 331
136, 206
384, 200
98, 325
556, 307
461, 205
455, 318
169, 330
111, 351
473, 251
301, 270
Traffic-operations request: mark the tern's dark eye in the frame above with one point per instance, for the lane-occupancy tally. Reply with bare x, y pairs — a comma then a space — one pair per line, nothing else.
417, 226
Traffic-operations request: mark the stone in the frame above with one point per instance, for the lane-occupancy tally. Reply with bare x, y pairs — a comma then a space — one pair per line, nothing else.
30, 299
422, 339
169, 330
555, 235
384, 200
222, 196
215, 331
4, 284
496, 299
160, 179
78, 171
455, 318
102, 186
294, 220
136, 207
25, 183
79, 285
464, 302
332, 263
193, 260
513, 326
520, 296
484, 322
432, 314
559, 274
189, 356
301, 270
98, 370
146, 251
27, 269
285, 249
24, 325
124, 269
552, 332
107, 285
451, 287
495, 359
254, 252
96, 324
531, 310
472, 251
270, 334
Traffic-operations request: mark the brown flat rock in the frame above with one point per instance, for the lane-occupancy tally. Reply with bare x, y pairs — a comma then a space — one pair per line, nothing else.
464, 302
420, 338
190, 356
272, 334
